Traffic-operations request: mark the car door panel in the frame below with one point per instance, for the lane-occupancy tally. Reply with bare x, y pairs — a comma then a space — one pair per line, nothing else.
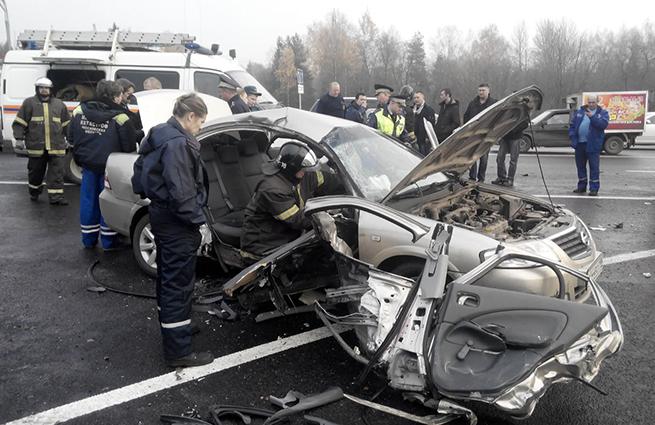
488, 339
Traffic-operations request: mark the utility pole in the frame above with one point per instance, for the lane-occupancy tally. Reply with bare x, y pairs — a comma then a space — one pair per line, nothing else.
301, 87
3, 50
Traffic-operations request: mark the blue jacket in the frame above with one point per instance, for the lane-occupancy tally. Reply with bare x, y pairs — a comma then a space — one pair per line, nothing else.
329, 105
597, 125
97, 129
169, 173
356, 113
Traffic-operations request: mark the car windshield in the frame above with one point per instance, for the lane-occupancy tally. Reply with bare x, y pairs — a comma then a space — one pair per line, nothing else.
245, 79
375, 162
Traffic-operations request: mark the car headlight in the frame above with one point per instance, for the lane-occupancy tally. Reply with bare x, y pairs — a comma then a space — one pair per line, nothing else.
536, 248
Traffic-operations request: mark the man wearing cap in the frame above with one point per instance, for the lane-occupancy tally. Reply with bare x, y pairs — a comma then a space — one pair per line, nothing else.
227, 91
382, 93
389, 120
252, 96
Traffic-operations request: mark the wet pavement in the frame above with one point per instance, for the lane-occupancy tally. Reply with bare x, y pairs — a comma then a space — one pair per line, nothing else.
62, 343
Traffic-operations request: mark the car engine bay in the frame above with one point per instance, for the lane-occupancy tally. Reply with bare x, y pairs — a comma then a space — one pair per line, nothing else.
503, 217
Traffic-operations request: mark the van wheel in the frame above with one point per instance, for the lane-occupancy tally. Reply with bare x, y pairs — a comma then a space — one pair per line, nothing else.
73, 172
613, 145
143, 246
525, 144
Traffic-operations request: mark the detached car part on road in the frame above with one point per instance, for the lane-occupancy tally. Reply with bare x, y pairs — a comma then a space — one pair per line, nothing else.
377, 168
438, 339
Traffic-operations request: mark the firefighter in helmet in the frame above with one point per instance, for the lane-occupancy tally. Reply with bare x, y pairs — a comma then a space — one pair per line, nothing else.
40, 125
274, 215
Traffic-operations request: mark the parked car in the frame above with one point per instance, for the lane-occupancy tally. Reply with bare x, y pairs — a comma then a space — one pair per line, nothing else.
551, 129
375, 167
649, 130
437, 341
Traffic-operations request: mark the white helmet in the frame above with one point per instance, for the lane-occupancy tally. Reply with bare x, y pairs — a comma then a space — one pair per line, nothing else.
43, 82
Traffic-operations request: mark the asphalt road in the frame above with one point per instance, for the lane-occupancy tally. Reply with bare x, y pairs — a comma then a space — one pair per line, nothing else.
61, 343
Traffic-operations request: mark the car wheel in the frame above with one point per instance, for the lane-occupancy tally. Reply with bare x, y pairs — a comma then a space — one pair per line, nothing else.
525, 144
73, 173
143, 246
613, 145
411, 269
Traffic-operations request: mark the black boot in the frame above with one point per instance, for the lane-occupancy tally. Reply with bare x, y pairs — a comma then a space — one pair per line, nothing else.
498, 181
191, 360
59, 201
579, 190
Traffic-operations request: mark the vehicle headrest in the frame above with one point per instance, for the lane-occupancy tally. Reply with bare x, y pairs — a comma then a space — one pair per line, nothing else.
248, 147
227, 154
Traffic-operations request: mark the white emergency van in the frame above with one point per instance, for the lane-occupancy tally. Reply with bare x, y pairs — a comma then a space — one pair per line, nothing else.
76, 60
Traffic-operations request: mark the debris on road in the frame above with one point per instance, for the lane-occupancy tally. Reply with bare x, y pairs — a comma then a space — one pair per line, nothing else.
618, 225
647, 275
598, 228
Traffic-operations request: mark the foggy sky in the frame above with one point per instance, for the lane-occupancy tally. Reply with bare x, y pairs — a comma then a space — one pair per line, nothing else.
251, 26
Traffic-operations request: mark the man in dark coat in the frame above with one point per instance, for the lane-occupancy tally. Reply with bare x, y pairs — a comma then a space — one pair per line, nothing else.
331, 103
448, 119
356, 111
420, 112
481, 102
98, 128
228, 91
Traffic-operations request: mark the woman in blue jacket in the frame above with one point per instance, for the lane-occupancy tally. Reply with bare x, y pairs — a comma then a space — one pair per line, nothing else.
587, 135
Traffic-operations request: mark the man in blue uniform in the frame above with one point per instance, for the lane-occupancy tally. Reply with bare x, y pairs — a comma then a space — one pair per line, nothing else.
587, 135
228, 91
98, 128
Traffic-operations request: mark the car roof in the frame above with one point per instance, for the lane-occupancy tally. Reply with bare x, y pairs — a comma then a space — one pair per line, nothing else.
313, 125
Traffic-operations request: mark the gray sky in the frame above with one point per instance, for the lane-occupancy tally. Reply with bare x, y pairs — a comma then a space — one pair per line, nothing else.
251, 26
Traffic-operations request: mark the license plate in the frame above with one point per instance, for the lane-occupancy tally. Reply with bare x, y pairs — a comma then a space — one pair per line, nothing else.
596, 267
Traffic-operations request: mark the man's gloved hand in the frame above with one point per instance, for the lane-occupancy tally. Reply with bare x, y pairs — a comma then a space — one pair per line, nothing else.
19, 144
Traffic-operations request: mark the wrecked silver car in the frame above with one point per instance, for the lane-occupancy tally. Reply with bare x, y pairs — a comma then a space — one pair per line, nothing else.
439, 340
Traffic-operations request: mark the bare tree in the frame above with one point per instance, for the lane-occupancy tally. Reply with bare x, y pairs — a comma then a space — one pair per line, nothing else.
286, 71
520, 47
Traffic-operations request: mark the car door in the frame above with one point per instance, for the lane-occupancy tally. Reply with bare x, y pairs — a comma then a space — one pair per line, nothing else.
554, 131
488, 339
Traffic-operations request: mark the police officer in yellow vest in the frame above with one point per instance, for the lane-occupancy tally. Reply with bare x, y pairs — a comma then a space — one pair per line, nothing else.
390, 121
40, 123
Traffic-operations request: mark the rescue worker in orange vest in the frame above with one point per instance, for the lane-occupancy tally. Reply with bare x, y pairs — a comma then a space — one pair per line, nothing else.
40, 124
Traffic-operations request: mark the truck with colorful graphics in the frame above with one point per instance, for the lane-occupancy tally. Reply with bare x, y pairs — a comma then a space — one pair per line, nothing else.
627, 112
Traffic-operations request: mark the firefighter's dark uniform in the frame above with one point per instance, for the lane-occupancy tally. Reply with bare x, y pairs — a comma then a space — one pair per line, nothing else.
274, 215
97, 129
42, 124
169, 173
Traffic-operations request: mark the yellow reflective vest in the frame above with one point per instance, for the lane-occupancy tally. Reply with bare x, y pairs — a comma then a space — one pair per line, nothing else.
389, 126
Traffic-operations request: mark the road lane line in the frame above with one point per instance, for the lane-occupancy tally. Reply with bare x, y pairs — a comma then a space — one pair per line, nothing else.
159, 383
622, 258
639, 171
591, 198
19, 183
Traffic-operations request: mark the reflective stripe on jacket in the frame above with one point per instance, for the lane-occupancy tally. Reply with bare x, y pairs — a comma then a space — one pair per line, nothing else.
42, 125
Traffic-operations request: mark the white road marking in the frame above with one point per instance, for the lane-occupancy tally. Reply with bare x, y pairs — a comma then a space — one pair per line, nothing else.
591, 198
639, 171
622, 258
567, 155
158, 383
19, 183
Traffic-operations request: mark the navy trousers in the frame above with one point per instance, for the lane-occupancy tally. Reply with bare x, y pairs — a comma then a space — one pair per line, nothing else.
177, 245
91, 221
582, 157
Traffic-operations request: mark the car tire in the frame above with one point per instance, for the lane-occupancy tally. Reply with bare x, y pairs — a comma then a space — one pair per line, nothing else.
73, 172
411, 269
525, 144
143, 246
613, 145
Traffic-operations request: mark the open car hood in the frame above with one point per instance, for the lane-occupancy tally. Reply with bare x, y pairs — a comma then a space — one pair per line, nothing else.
156, 106
475, 138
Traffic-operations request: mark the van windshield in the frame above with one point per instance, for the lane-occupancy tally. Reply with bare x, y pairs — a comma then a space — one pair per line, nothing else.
245, 79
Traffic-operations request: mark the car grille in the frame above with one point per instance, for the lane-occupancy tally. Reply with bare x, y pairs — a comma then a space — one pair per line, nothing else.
575, 243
